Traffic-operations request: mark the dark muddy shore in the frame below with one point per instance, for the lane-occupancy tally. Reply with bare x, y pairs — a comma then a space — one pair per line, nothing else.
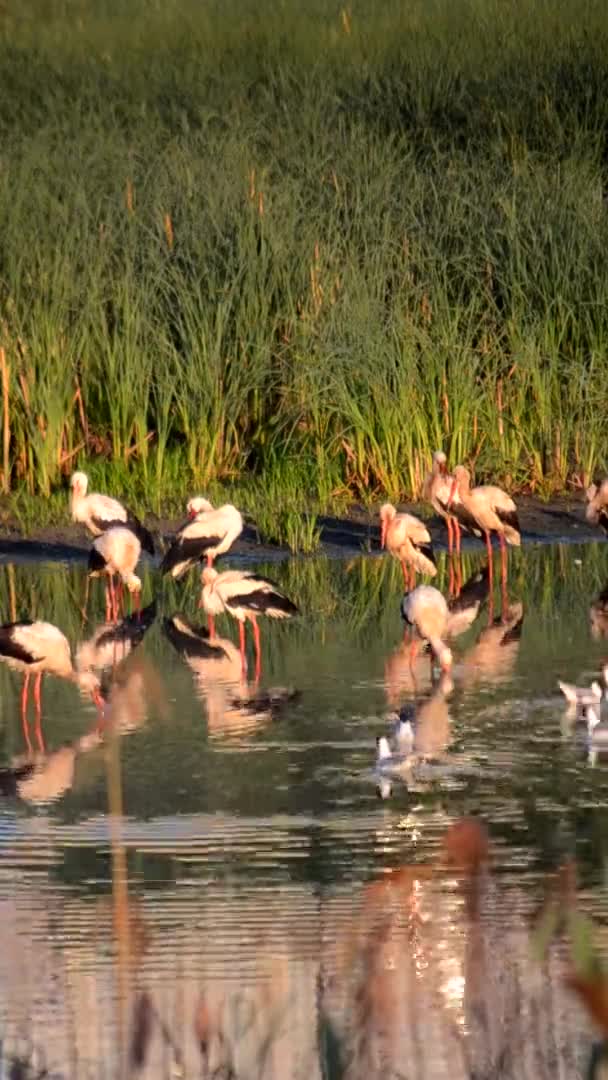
560, 521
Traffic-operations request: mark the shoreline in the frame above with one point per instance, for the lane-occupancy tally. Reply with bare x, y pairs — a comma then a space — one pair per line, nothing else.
357, 532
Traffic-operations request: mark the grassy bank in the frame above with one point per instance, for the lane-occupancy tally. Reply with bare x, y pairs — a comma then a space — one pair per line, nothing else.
288, 250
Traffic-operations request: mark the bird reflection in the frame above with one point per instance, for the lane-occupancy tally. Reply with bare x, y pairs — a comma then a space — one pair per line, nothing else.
234, 707
419, 735
45, 777
112, 643
493, 656
402, 676
598, 615
465, 608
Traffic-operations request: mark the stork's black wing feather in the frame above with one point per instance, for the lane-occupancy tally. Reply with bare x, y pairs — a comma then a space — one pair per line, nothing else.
196, 644
143, 535
474, 591
508, 517
11, 648
96, 561
602, 519
103, 524
260, 600
426, 549
9, 778
132, 628
190, 550
465, 519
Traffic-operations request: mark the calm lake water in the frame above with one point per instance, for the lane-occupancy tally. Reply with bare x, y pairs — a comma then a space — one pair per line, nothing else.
198, 890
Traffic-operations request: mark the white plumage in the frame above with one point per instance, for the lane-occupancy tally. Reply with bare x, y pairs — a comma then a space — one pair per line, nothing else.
407, 539
41, 648
100, 512
245, 596
426, 611
211, 533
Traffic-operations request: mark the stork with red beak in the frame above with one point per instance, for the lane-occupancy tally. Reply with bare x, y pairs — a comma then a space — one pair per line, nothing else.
407, 538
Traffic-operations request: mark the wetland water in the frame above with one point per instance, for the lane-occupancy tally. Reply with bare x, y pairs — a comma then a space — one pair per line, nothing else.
210, 876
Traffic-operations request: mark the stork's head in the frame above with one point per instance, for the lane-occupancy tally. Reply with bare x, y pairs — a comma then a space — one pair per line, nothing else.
133, 583
441, 461
387, 513
198, 505
79, 483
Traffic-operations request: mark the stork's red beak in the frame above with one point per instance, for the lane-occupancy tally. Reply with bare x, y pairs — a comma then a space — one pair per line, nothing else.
452, 493
191, 514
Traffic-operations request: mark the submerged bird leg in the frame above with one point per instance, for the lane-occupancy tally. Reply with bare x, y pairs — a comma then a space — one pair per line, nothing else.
24, 693
37, 699
258, 651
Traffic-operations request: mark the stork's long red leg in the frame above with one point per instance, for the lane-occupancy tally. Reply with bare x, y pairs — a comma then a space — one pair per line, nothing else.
406, 582
108, 603
450, 536
503, 573
211, 625
458, 531
413, 651
38, 701
258, 650
242, 648
24, 693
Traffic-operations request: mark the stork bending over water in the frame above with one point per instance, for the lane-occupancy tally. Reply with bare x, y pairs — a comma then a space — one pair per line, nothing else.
425, 610
116, 551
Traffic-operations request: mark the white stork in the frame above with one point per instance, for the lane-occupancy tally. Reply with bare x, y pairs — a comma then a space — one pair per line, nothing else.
100, 512
116, 551
407, 539
40, 648
245, 596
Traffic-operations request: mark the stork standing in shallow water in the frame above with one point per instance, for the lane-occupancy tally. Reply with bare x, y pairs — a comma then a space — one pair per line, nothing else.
407, 538
425, 610
116, 551
209, 533
437, 490
41, 648
100, 512
245, 596
487, 509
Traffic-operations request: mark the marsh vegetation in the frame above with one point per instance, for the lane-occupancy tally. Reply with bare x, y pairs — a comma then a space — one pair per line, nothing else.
291, 249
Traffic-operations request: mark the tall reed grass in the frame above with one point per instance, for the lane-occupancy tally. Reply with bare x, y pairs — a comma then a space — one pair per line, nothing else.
244, 242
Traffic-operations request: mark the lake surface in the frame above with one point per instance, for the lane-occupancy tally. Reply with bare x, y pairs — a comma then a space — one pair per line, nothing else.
212, 887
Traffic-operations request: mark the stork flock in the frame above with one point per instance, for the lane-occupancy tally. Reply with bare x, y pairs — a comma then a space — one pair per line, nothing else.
119, 538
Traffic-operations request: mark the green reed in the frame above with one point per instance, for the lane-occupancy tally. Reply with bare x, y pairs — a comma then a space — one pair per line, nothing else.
339, 238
